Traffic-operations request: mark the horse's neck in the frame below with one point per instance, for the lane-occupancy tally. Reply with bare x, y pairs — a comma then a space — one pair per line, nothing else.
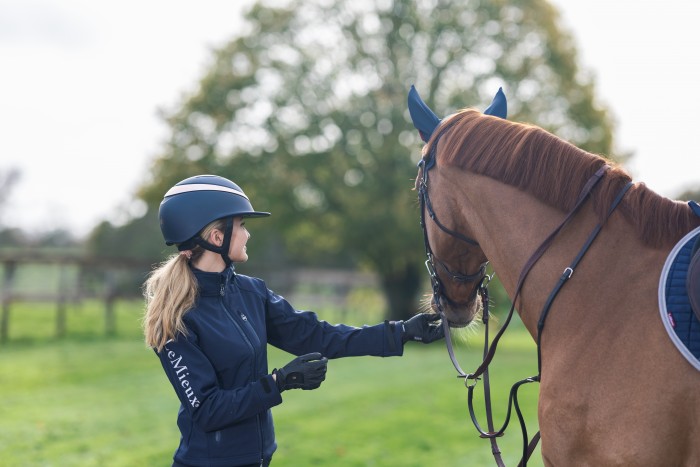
510, 225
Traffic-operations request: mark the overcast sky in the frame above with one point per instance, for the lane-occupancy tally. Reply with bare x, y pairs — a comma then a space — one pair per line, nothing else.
81, 83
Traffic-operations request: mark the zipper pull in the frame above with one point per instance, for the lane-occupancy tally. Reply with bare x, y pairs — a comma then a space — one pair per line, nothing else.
221, 291
244, 317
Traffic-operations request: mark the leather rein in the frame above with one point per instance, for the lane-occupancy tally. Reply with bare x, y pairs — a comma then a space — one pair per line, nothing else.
481, 280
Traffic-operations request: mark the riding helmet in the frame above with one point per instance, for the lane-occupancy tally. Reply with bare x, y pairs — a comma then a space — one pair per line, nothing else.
195, 202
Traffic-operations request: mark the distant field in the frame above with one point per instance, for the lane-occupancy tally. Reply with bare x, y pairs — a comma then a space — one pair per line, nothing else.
87, 400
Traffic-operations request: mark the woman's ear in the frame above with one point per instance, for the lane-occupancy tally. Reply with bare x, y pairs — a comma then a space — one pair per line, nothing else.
216, 237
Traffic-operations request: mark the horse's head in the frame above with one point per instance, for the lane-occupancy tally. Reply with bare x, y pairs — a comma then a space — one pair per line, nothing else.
455, 260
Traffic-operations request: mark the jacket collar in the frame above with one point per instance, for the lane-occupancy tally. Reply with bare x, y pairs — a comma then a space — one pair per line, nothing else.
214, 283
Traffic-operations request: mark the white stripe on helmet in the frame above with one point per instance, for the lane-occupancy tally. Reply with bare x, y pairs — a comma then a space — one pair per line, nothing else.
177, 189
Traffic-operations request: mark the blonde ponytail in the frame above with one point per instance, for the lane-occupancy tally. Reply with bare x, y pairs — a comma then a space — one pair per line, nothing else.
170, 292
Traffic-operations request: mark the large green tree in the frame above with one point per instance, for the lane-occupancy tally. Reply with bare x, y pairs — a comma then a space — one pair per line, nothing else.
306, 109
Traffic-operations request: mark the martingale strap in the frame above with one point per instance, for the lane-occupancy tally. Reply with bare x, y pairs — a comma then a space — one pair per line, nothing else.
585, 192
489, 351
569, 271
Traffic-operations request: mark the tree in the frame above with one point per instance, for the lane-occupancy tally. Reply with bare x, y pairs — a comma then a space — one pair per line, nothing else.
139, 240
306, 110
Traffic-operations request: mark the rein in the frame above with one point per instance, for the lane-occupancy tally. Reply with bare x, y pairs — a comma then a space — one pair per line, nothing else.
481, 287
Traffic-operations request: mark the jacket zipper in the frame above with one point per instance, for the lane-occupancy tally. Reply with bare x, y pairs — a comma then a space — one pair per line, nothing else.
252, 348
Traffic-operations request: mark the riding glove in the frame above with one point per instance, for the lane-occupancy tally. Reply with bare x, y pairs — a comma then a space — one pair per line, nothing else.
423, 327
304, 372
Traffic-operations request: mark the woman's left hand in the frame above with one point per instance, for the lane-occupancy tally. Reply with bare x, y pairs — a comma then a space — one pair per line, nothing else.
424, 327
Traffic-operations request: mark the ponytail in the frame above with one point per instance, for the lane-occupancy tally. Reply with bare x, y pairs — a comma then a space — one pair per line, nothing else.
170, 292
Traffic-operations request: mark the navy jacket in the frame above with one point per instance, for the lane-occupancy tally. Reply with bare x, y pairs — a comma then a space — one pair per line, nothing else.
219, 369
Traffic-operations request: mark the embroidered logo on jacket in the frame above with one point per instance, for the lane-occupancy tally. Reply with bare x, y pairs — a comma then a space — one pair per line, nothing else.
182, 373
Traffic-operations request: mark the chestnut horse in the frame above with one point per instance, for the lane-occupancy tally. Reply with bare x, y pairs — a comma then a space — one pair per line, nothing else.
614, 390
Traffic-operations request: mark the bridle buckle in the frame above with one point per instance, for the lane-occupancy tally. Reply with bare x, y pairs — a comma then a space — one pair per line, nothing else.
470, 380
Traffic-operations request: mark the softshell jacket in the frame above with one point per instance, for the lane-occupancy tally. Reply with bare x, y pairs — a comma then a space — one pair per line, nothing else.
219, 369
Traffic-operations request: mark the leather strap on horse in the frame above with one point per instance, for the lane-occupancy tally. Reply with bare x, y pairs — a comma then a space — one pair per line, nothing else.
569, 271
588, 187
495, 450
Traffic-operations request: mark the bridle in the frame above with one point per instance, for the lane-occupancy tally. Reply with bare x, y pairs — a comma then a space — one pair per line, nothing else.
432, 261
481, 280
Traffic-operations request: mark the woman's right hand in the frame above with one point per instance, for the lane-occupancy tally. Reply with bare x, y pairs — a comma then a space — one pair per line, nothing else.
304, 372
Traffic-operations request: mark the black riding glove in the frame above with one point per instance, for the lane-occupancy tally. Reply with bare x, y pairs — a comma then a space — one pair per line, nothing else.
305, 372
423, 327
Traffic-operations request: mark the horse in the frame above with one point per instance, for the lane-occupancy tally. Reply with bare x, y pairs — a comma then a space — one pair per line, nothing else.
614, 390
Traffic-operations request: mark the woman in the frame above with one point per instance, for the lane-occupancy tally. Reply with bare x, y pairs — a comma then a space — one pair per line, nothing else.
210, 328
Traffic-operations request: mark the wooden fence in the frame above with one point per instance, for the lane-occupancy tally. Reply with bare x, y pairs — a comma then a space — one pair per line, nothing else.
75, 278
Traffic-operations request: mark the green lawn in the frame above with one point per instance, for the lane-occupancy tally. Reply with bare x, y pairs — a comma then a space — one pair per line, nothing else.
87, 400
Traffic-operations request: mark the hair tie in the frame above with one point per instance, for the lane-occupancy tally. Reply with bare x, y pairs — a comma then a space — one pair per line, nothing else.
187, 254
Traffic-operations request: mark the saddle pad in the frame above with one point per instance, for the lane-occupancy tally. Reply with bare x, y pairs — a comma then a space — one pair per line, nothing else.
693, 281
677, 315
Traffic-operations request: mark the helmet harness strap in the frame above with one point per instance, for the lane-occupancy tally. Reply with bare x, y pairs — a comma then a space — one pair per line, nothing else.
222, 250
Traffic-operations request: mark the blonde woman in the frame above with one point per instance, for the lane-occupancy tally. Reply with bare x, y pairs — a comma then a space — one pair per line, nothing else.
210, 328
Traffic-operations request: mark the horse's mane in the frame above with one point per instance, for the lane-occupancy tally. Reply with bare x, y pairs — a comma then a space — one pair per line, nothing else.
555, 171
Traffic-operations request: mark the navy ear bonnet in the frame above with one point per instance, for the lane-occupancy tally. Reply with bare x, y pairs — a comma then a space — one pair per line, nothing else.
193, 203
426, 121
499, 106
423, 118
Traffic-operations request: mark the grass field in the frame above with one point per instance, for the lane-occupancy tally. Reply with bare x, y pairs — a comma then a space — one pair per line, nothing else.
88, 400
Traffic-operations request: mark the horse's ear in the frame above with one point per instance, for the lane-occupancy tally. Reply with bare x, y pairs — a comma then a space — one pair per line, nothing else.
423, 118
499, 106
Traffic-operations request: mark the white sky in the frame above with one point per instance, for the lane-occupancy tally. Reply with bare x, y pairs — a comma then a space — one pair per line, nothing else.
81, 82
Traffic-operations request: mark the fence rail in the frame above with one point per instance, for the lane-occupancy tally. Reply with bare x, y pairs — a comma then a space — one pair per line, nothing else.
75, 278
69, 286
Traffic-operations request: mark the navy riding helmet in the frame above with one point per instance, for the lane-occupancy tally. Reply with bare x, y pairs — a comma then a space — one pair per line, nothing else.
195, 202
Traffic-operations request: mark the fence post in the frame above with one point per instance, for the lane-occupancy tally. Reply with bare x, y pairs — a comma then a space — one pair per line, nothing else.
61, 301
110, 297
10, 268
